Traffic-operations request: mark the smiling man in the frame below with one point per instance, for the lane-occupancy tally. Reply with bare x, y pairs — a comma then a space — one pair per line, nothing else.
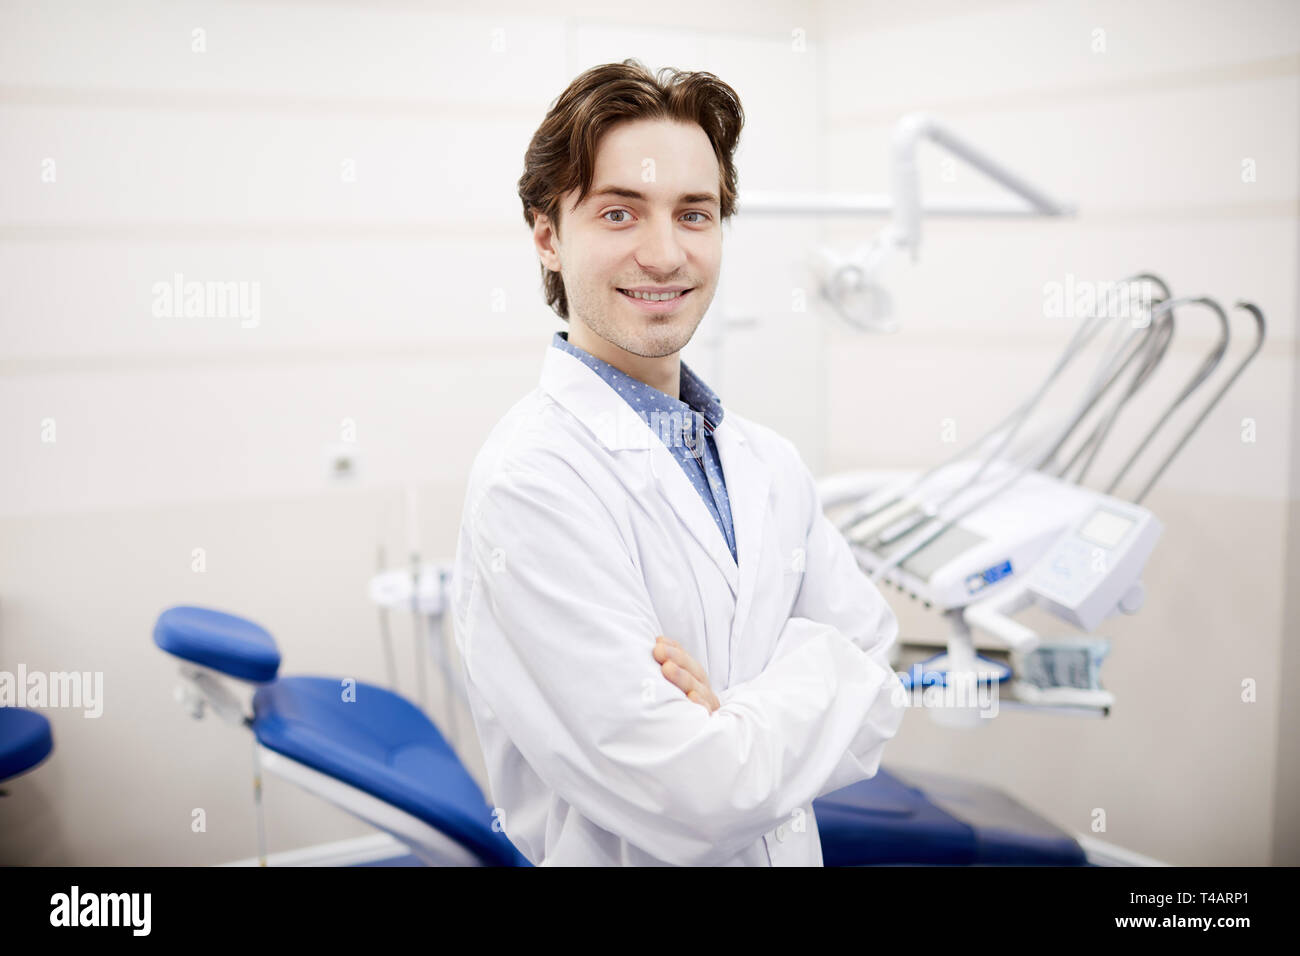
644, 256
669, 651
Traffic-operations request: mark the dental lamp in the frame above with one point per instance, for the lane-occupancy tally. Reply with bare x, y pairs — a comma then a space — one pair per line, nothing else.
852, 284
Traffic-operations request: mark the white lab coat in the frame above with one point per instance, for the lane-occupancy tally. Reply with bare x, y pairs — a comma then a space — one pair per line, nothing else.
582, 539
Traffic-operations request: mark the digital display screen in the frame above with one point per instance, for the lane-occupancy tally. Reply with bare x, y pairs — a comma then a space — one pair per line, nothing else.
1106, 528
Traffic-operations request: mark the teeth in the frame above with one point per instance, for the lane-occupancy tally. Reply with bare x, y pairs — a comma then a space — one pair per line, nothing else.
652, 296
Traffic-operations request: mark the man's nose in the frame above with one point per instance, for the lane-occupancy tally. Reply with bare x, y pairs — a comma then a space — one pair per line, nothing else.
661, 250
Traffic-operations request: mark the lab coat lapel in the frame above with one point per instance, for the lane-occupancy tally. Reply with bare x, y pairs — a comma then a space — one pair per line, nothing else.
692, 512
616, 426
749, 487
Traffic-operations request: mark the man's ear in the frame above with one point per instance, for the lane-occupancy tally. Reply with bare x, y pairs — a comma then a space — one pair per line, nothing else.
544, 241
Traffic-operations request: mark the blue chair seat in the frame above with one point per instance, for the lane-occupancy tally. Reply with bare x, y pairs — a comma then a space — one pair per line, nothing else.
25, 740
911, 817
381, 744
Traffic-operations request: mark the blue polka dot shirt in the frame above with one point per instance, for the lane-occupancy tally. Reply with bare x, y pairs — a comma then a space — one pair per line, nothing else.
685, 427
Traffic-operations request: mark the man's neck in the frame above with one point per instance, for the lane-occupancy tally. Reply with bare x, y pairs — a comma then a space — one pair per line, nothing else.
664, 373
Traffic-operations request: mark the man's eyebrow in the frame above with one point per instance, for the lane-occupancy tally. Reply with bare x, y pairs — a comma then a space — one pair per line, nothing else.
633, 194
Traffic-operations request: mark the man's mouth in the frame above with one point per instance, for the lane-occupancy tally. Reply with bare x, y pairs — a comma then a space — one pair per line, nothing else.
656, 297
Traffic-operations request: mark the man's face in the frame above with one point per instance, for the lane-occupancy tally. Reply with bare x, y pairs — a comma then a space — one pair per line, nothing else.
670, 237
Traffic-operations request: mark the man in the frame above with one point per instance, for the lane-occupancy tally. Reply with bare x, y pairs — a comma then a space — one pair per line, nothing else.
670, 652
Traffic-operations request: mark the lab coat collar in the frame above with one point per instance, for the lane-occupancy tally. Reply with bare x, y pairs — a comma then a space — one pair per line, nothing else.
618, 428
589, 397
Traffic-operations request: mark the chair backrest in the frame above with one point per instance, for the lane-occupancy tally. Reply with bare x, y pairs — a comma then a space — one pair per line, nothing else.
233, 645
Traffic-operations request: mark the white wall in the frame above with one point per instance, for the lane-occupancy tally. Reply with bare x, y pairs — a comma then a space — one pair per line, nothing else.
408, 302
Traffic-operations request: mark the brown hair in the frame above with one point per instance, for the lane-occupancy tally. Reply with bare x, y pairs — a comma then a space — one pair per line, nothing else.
562, 154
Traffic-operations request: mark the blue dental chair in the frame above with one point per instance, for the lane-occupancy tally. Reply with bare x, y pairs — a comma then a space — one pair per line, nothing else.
363, 747
915, 818
379, 757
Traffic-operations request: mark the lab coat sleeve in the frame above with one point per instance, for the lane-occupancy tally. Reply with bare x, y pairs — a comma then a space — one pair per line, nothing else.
558, 639
836, 593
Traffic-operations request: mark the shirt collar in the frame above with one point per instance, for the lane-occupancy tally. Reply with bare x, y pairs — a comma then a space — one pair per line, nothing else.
695, 394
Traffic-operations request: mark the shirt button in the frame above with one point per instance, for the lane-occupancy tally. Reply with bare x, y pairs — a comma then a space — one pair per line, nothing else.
780, 833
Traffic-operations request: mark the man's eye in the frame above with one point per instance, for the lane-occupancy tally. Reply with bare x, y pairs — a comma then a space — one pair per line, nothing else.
624, 212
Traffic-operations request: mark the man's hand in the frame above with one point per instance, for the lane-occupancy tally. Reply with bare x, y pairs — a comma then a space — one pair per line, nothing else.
682, 669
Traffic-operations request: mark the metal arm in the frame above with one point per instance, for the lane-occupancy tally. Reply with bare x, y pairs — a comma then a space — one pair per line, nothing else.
1010, 425
1259, 342
1207, 366
1154, 353
1137, 340
911, 130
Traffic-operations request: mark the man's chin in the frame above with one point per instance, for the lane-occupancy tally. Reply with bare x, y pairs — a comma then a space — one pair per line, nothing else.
662, 337
651, 342
647, 335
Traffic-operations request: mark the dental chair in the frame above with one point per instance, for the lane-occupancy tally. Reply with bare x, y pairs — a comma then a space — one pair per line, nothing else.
376, 755
919, 818
362, 747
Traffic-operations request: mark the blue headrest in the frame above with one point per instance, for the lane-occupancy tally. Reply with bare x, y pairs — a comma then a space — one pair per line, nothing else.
223, 642
25, 740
